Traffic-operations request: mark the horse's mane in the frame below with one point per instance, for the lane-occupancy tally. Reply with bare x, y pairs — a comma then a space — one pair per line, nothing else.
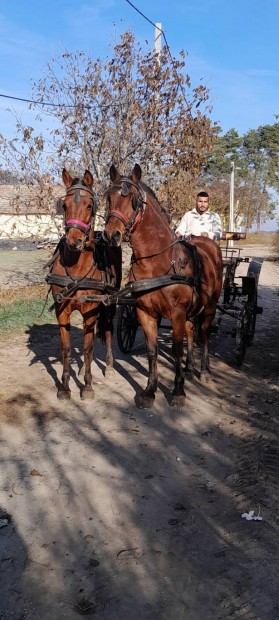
150, 191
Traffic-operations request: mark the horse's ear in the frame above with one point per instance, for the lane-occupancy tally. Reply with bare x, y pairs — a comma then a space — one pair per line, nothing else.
67, 179
136, 173
114, 174
88, 178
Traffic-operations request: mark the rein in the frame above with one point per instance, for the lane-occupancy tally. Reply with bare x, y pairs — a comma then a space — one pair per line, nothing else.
135, 260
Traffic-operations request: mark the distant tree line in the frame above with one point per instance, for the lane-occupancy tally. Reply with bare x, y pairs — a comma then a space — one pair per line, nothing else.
140, 106
256, 181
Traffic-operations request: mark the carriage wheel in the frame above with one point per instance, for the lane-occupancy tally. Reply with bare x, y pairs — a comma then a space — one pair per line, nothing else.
252, 301
254, 272
127, 325
242, 335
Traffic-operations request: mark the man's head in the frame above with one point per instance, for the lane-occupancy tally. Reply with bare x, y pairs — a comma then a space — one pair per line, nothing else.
202, 202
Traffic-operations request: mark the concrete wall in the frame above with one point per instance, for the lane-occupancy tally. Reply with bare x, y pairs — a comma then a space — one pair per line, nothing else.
36, 226
26, 226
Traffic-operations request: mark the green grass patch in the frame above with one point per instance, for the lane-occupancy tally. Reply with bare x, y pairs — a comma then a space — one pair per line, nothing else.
21, 313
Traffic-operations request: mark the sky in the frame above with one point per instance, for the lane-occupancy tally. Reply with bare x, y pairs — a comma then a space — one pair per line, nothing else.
231, 45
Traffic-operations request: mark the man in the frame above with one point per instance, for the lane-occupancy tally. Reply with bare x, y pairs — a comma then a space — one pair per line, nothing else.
200, 221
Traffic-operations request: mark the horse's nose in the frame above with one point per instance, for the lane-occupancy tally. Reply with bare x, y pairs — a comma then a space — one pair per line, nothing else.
114, 239
79, 243
106, 236
75, 245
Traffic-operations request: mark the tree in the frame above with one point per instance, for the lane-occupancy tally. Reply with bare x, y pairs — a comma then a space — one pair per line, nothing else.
256, 159
132, 107
7, 178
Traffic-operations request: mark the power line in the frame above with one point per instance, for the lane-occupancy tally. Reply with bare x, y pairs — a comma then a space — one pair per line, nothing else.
54, 105
167, 46
81, 105
142, 14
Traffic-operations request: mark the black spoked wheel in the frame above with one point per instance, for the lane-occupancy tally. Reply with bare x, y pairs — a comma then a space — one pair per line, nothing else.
242, 335
127, 325
253, 272
252, 304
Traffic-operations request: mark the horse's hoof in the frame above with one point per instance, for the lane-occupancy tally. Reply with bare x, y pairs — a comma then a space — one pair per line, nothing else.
63, 394
109, 372
205, 377
177, 400
189, 375
144, 402
87, 393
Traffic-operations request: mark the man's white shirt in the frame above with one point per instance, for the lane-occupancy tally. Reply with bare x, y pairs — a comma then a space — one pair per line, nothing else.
194, 223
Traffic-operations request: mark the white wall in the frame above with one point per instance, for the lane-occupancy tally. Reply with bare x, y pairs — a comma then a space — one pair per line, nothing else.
26, 226
36, 226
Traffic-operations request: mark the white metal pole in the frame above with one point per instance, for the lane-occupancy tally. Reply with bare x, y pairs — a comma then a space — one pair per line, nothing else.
231, 218
231, 223
157, 50
158, 39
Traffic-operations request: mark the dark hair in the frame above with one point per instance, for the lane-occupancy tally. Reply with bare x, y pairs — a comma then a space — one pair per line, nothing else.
203, 195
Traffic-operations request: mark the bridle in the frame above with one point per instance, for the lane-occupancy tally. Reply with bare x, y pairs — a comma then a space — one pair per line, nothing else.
138, 204
79, 224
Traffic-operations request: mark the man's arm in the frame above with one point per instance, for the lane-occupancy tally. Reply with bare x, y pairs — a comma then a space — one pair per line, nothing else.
182, 226
216, 227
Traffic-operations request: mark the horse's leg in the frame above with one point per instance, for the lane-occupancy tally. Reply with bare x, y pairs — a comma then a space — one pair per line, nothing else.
109, 370
178, 395
87, 391
150, 329
205, 325
109, 314
65, 345
190, 363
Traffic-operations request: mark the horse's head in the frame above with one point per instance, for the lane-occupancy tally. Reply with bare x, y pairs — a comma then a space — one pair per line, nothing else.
125, 205
79, 208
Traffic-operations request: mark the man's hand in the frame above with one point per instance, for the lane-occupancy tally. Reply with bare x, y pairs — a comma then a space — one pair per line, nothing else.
204, 234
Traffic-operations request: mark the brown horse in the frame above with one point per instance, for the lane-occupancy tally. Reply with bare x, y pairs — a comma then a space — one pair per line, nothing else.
173, 279
81, 270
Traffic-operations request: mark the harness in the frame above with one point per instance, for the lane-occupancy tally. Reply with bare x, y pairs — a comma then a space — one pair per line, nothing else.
69, 284
135, 288
138, 203
79, 224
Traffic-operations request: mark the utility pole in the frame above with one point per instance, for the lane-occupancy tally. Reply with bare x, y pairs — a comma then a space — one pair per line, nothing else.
231, 218
158, 39
231, 222
157, 50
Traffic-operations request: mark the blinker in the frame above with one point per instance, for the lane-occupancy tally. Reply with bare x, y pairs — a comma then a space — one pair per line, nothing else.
124, 189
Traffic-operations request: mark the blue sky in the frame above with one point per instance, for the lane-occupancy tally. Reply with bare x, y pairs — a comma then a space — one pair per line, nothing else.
233, 46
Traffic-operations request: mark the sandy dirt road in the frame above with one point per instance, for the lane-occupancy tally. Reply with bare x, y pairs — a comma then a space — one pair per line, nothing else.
120, 513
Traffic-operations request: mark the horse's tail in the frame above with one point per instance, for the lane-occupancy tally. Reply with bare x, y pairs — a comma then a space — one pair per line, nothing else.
104, 321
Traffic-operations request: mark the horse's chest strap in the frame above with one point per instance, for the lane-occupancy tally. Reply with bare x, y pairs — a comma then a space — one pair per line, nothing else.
70, 286
151, 284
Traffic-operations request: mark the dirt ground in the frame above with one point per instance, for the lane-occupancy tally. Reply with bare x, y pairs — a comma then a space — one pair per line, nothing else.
120, 513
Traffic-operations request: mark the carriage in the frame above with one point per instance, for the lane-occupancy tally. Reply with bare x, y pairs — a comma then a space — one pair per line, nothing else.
238, 301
